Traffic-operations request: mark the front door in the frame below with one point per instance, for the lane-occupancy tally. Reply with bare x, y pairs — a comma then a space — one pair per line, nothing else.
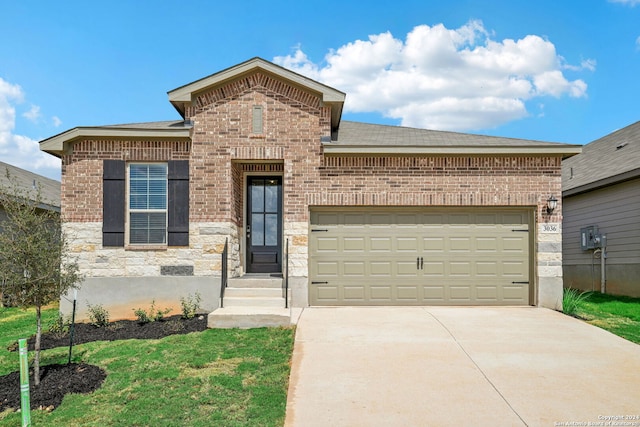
264, 224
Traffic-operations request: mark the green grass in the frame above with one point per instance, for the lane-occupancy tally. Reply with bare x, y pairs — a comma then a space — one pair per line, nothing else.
222, 377
617, 314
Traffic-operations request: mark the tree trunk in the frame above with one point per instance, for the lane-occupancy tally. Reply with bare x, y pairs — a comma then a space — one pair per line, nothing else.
36, 360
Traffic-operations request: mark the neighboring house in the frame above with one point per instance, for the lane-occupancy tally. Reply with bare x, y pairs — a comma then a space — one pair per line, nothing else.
601, 189
373, 214
28, 183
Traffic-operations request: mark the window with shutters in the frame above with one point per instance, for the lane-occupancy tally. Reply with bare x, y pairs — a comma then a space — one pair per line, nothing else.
147, 203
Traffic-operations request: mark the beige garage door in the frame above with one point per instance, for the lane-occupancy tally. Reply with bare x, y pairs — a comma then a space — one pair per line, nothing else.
420, 257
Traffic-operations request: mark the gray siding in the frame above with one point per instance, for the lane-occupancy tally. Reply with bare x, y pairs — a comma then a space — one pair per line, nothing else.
616, 211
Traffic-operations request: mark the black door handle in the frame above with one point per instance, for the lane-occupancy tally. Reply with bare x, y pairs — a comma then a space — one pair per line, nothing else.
421, 263
418, 263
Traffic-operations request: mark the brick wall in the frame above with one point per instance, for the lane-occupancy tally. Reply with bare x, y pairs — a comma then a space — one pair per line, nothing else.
81, 190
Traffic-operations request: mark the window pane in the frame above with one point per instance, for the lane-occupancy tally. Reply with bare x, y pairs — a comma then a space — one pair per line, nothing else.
271, 230
148, 227
257, 196
271, 196
257, 229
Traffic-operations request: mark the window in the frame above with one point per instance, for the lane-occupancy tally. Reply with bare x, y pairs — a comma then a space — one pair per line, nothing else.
147, 203
150, 200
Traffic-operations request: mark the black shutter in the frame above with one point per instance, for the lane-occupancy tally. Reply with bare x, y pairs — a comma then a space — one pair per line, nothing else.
113, 194
178, 208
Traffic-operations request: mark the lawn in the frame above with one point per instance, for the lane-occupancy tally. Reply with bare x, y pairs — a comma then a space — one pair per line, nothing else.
222, 377
617, 314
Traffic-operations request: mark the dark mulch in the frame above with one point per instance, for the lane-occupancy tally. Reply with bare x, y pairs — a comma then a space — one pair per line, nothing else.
121, 330
55, 382
58, 380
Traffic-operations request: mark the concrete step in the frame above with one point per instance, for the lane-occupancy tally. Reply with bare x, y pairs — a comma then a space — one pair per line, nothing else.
252, 292
257, 281
248, 317
253, 302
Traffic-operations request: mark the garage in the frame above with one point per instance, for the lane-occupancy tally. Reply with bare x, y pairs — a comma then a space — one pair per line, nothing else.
420, 256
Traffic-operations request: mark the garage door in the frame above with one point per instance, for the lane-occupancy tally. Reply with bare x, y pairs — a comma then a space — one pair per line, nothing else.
419, 257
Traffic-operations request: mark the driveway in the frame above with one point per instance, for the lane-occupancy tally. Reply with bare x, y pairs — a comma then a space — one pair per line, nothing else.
459, 366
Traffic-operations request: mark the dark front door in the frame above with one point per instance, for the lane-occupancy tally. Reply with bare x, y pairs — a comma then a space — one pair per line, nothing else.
264, 224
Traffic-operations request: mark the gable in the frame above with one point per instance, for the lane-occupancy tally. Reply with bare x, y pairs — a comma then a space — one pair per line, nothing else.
251, 74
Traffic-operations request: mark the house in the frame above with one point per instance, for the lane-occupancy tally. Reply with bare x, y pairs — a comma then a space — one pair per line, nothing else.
29, 182
364, 214
601, 194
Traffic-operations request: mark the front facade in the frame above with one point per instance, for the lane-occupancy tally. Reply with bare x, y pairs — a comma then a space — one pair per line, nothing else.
367, 214
601, 193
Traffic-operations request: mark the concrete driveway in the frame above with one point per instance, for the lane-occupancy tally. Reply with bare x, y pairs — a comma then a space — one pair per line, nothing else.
459, 366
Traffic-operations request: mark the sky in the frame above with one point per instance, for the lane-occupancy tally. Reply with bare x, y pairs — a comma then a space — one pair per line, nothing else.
561, 71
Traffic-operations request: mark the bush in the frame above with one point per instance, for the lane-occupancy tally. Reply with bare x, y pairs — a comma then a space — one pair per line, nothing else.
571, 299
153, 315
98, 315
190, 305
59, 326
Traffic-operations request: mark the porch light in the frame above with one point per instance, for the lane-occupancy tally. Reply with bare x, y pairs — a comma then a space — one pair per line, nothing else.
552, 204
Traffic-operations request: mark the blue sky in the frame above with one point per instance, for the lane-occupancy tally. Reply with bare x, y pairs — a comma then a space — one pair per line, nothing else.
562, 71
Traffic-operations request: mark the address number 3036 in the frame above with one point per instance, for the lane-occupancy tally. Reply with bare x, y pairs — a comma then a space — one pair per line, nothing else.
550, 228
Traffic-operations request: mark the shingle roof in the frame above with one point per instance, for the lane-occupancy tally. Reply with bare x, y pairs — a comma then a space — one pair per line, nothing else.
362, 137
610, 159
27, 180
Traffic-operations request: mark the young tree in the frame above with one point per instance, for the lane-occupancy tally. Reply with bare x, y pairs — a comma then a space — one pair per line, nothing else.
34, 257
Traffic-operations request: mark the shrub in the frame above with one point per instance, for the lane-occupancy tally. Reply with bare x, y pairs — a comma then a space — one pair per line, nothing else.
153, 315
190, 305
59, 326
98, 315
571, 299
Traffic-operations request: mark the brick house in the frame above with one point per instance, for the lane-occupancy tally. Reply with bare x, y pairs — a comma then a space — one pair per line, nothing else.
371, 214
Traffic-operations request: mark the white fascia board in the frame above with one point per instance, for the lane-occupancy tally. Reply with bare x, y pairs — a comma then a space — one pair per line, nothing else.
566, 151
56, 144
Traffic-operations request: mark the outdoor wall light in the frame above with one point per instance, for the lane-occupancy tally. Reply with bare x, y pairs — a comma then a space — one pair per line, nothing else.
552, 204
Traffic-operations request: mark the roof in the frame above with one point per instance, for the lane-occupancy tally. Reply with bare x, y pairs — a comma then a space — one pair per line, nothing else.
354, 137
57, 144
28, 181
605, 161
184, 95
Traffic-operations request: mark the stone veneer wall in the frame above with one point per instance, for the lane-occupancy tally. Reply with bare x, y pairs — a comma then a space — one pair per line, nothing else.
201, 258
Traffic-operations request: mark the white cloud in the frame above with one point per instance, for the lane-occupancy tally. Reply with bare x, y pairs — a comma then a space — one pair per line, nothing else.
56, 121
440, 78
626, 2
638, 43
33, 114
19, 150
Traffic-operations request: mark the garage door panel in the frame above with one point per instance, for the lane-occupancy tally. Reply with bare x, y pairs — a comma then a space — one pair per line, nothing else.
406, 269
487, 293
433, 294
381, 268
354, 244
458, 293
407, 244
419, 257
380, 244
407, 293
327, 244
354, 269
327, 268
354, 293
381, 294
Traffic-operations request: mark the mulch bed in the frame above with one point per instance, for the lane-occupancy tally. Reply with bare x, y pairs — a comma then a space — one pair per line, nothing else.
58, 380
